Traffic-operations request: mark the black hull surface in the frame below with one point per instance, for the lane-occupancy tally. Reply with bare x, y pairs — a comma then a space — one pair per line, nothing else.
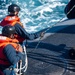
50, 55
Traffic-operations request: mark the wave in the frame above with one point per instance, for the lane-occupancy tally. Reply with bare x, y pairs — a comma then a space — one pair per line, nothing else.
36, 14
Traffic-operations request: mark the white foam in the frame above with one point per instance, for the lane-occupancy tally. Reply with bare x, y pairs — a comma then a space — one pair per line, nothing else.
29, 13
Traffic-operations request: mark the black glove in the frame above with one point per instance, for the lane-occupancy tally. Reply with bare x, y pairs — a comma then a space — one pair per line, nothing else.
42, 34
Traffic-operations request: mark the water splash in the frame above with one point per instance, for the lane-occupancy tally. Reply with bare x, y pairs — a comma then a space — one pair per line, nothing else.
36, 14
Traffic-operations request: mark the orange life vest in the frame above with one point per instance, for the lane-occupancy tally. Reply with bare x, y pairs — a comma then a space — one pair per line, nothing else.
12, 20
4, 41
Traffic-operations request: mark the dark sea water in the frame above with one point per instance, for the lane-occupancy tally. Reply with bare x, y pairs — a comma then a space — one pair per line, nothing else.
36, 14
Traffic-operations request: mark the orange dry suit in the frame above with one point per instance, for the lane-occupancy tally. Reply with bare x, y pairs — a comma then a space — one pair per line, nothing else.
4, 41
12, 20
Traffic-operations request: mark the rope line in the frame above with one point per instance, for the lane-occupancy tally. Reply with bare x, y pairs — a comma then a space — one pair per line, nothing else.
39, 43
53, 26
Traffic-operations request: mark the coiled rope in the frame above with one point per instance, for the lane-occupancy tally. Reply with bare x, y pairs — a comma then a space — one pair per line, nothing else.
19, 67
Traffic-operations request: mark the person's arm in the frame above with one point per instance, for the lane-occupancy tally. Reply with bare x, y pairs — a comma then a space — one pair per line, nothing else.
22, 32
11, 54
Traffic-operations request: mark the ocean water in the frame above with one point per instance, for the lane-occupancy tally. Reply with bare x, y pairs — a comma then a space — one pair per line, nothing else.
36, 14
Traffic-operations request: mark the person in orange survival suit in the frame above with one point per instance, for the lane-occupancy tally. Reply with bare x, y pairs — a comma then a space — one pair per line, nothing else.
13, 20
10, 51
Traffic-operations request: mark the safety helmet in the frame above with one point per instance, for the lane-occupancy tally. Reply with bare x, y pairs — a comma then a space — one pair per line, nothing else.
13, 8
8, 30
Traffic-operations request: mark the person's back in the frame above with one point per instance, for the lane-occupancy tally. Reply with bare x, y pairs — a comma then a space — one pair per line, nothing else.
8, 50
70, 9
12, 18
